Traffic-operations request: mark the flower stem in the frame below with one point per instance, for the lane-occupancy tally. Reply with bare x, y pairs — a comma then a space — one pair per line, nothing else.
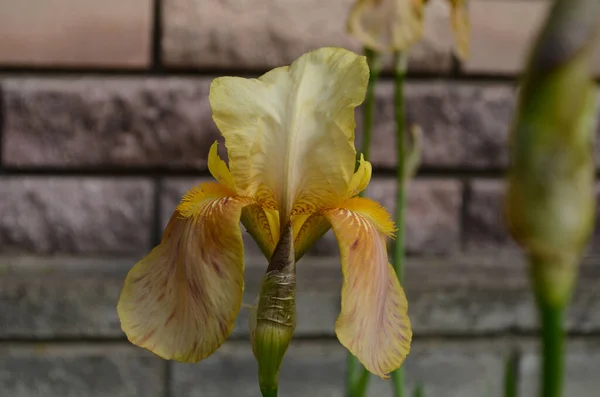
553, 334
269, 393
553, 338
401, 175
369, 105
511, 375
357, 377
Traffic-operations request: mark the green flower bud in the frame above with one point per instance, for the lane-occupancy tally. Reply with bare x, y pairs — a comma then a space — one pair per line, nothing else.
550, 202
273, 320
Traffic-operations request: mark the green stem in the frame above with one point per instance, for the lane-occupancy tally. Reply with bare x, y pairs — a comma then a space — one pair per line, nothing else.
357, 377
511, 375
418, 392
551, 313
369, 105
553, 346
398, 382
269, 393
398, 244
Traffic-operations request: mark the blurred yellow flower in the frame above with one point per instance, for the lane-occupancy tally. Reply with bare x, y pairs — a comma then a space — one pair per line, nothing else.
290, 141
396, 25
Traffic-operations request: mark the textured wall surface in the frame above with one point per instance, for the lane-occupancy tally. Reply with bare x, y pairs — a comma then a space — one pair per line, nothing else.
105, 123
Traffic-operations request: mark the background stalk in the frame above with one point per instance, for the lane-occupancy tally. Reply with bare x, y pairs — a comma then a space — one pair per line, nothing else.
511, 375
553, 334
357, 377
553, 351
401, 185
550, 199
369, 105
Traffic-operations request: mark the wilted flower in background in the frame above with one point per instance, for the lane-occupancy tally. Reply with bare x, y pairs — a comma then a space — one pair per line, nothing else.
550, 202
396, 25
290, 141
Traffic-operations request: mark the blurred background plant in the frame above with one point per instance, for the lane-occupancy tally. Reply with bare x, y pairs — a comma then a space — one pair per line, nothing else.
550, 201
394, 26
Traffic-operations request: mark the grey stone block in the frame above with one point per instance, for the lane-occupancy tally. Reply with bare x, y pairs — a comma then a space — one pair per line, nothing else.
80, 370
484, 225
316, 368
75, 215
461, 295
237, 35
107, 122
167, 123
465, 125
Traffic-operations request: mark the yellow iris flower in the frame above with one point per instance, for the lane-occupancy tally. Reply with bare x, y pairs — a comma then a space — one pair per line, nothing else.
396, 25
290, 140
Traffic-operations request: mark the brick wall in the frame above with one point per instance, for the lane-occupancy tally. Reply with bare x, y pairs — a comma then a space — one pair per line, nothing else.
105, 122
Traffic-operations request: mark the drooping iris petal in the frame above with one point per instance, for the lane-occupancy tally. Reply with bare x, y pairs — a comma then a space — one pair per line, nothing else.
461, 27
290, 133
181, 300
387, 25
373, 323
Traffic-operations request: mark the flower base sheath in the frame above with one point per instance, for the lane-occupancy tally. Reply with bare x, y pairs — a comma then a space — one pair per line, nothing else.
290, 142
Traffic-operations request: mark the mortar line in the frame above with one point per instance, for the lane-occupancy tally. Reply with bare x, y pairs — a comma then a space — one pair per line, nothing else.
419, 336
156, 39
2, 134
159, 70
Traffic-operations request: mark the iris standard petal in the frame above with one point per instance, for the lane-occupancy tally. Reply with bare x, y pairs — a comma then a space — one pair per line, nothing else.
290, 133
181, 301
387, 25
373, 323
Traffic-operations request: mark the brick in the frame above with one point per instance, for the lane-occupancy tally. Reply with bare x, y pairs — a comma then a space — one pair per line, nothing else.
502, 34
112, 122
261, 35
432, 218
69, 297
433, 213
72, 33
465, 125
60, 297
167, 123
80, 370
581, 378
76, 297
485, 227
75, 215
316, 368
